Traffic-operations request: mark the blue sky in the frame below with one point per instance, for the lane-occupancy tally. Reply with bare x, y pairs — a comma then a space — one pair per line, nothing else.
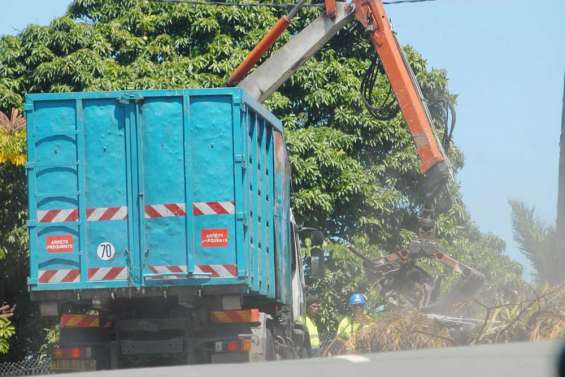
506, 61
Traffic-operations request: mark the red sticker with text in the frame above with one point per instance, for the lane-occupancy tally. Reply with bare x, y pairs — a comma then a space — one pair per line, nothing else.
59, 244
214, 238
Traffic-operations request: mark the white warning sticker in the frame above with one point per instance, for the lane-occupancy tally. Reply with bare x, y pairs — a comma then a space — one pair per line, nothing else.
106, 251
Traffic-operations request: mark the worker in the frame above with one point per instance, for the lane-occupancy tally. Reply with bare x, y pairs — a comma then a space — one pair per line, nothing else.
350, 326
313, 305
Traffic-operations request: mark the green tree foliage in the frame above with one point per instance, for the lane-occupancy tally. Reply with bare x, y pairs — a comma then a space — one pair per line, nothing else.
7, 330
537, 242
353, 175
13, 259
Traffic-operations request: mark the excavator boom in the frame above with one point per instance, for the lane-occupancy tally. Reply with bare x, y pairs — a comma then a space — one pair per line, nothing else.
270, 75
395, 273
371, 14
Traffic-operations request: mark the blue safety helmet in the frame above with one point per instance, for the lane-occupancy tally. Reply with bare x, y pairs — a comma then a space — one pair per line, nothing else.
357, 299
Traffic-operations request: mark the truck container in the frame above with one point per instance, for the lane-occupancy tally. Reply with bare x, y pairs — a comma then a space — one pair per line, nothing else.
160, 227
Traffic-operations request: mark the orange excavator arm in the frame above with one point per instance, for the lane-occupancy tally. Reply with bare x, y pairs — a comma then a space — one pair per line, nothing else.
391, 271
371, 14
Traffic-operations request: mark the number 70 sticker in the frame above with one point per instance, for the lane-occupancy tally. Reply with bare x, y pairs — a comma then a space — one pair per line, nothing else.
106, 251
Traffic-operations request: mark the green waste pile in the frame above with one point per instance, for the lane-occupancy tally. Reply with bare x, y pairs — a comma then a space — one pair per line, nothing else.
534, 316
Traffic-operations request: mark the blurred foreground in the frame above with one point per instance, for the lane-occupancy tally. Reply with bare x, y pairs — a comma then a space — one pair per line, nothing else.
532, 316
516, 360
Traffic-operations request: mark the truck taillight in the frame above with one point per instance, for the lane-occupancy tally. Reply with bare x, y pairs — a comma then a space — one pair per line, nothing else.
73, 353
241, 345
232, 346
246, 345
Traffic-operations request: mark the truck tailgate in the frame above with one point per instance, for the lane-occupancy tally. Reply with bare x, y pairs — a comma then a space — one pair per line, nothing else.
146, 188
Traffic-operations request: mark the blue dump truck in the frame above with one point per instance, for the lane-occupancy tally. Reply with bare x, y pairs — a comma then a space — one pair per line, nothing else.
160, 228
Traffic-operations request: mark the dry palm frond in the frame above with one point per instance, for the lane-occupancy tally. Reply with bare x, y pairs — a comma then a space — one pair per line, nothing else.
6, 311
532, 316
12, 138
13, 123
538, 316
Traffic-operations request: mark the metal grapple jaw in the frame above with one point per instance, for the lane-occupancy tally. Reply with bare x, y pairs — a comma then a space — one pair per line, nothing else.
465, 288
403, 283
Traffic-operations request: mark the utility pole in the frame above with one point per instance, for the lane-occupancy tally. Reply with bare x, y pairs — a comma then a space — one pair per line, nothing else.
561, 194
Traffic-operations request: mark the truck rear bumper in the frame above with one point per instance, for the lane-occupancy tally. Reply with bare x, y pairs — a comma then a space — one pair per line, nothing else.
111, 293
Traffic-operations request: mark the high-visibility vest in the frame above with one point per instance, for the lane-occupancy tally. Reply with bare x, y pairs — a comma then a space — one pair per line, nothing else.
312, 332
348, 328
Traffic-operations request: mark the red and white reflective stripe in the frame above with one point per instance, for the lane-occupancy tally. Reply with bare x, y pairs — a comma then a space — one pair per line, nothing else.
164, 210
92, 214
121, 213
213, 208
168, 271
216, 270
107, 214
79, 320
57, 215
59, 276
107, 273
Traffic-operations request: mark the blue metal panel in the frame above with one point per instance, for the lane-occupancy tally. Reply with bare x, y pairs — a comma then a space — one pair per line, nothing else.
81, 137
239, 114
263, 264
269, 210
108, 191
53, 166
163, 187
251, 181
188, 179
181, 183
211, 122
32, 202
259, 234
281, 220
